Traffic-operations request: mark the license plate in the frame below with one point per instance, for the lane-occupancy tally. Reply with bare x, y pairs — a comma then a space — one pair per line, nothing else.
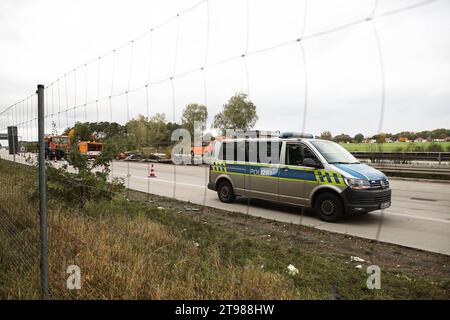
385, 205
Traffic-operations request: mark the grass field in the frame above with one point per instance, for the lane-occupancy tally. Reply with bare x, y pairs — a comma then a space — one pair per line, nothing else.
395, 146
149, 247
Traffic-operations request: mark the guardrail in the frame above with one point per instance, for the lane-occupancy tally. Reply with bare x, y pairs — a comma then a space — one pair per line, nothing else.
403, 157
437, 173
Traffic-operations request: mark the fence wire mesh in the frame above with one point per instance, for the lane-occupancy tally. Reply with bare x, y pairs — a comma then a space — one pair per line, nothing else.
114, 222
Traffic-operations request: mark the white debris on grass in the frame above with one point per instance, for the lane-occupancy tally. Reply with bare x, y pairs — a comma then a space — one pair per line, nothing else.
358, 266
191, 209
357, 259
292, 270
160, 208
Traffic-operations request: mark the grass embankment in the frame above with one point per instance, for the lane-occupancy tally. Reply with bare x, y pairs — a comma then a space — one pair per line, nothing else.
397, 146
133, 249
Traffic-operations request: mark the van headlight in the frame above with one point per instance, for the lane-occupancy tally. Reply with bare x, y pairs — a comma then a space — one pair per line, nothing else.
357, 183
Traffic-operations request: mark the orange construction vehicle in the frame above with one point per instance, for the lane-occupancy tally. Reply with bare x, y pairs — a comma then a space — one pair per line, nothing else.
91, 149
56, 147
206, 149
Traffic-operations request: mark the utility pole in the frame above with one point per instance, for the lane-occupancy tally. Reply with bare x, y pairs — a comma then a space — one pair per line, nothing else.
42, 195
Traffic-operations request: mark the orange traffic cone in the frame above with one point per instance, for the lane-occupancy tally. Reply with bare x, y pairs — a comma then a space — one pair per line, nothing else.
152, 171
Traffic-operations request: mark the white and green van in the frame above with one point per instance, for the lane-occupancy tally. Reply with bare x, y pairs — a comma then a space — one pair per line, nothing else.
298, 169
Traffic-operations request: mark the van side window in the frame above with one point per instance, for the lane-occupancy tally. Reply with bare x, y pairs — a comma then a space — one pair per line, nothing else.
239, 153
251, 151
228, 151
307, 153
262, 151
232, 151
269, 152
221, 151
296, 153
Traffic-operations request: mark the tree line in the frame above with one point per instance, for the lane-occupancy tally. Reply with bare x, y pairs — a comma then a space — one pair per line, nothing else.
239, 113
381, 137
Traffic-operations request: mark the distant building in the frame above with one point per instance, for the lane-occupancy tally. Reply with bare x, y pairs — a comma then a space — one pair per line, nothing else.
438, 140
373, 141
388, 140
420, 140
403, 139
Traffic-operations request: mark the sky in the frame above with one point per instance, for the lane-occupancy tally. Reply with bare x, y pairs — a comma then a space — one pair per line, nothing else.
339, 75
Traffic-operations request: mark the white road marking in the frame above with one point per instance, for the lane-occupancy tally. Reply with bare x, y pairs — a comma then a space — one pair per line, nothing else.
162, 180
418, 217
203, 187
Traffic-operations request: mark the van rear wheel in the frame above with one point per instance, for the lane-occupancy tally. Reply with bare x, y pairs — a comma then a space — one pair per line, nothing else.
329, 207
225, 191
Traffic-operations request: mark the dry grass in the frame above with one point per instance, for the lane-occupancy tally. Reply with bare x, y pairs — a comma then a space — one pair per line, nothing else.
132, 250
121, 252
123, 257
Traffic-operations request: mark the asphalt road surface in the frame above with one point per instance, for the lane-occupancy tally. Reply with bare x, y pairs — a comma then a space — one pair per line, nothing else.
419, 216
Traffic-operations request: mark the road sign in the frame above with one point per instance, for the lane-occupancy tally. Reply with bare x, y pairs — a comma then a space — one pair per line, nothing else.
3, 136
13, 140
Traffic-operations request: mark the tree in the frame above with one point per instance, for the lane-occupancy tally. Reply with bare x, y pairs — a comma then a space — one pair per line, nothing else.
238, 113
138, 129
192, 113
381, 138
359, 138
158, 131
326, 135
85, 131
72, 134
342, 138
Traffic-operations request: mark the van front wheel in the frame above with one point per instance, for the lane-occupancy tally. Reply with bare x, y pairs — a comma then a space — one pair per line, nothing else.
225, 191
329, 207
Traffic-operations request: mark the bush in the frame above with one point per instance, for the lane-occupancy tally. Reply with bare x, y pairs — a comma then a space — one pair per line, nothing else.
410, 147
435, 147
419, 148
76, 189
81, 187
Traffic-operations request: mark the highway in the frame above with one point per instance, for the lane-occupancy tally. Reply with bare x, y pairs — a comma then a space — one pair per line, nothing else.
419, 216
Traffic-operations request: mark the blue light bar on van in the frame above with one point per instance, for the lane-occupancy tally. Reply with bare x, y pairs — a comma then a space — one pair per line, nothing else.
286, 135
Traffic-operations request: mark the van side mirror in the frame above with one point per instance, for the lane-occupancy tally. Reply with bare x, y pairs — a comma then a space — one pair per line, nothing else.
308, 162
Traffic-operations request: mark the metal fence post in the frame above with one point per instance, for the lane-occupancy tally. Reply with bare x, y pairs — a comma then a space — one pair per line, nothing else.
42, 195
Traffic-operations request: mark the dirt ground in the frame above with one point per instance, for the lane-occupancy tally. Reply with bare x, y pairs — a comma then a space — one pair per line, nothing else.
388, 257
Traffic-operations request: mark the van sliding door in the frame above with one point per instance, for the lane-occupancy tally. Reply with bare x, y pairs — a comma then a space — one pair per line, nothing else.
262, 165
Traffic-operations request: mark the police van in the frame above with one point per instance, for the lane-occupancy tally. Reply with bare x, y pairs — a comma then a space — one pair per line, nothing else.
297, 169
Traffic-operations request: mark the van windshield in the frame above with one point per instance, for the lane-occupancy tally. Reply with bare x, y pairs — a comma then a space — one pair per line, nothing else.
333, 152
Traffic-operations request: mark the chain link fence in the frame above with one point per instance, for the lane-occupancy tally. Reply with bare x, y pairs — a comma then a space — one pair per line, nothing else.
115, 231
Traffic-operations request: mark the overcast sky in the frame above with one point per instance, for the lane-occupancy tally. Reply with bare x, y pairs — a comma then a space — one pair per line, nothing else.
42, 41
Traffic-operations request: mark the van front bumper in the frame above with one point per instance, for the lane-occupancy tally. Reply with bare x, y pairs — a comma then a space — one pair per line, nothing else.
366, 200
212, 186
